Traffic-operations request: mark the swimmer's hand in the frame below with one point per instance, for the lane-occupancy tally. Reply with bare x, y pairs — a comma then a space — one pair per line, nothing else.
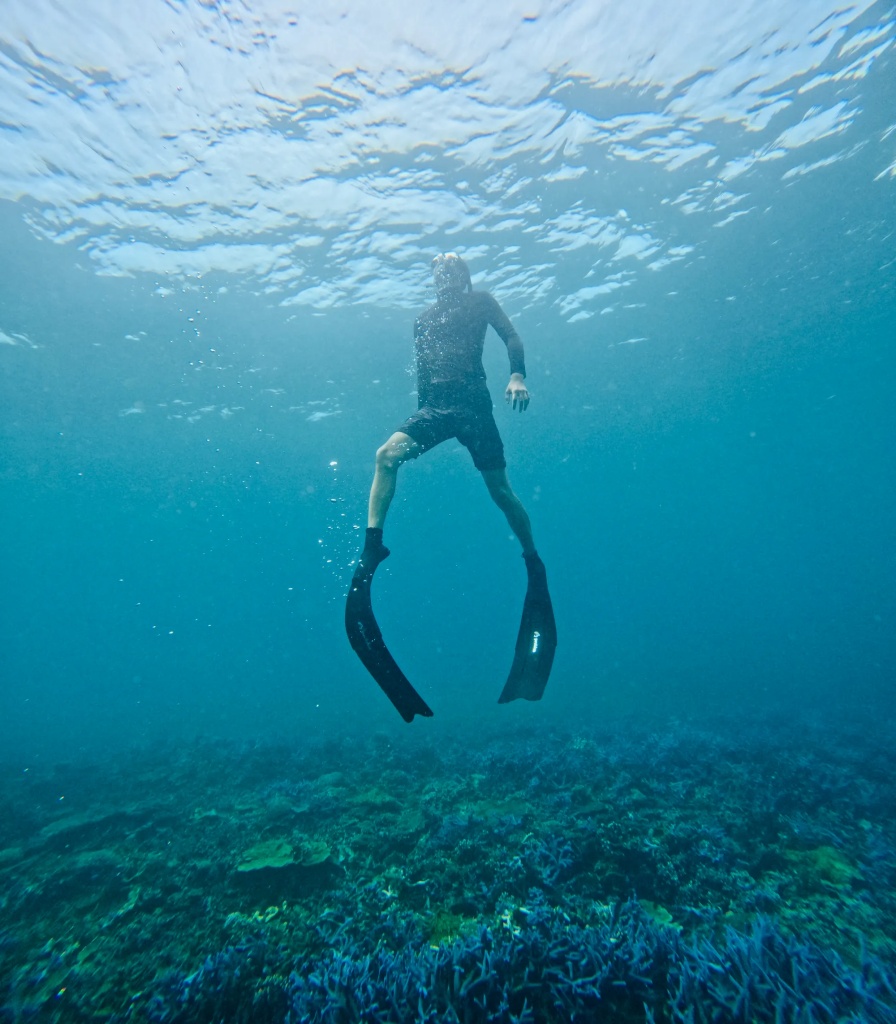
516, 394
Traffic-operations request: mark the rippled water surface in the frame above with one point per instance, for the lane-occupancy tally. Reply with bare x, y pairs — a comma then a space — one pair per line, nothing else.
217, 220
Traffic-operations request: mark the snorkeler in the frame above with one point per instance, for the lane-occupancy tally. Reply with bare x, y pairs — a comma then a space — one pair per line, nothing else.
454, 401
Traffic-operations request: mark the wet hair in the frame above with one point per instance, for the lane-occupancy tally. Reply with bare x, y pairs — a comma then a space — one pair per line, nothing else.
451, 273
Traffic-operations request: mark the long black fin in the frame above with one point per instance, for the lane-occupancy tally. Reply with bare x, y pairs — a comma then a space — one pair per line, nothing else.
367, 641
536, 640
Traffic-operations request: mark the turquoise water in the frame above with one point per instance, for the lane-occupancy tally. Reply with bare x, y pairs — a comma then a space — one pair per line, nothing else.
216, 226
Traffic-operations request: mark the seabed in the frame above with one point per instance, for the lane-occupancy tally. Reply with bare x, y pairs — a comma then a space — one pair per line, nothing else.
713, 872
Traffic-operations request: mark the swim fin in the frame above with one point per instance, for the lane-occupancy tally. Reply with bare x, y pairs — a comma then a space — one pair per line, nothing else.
536, 640
367, 641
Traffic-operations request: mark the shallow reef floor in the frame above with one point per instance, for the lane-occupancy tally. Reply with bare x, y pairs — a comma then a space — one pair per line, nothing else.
706, 871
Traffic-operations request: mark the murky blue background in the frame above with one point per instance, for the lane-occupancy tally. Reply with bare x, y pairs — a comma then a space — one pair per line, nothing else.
188, 431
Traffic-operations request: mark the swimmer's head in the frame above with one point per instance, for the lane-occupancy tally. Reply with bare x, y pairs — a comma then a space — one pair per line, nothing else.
451, 274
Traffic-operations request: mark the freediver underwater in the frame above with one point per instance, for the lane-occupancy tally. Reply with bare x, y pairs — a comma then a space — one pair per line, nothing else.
454, 402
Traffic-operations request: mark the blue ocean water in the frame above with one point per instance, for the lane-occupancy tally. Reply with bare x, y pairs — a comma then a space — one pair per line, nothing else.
217, 221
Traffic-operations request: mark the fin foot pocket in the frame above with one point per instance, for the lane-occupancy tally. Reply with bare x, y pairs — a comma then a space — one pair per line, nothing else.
368, 563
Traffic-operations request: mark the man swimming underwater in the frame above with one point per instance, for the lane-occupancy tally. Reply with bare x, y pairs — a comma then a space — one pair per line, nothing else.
454, 401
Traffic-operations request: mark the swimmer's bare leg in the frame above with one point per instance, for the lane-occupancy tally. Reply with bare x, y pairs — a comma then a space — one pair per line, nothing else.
503, 496
397, 450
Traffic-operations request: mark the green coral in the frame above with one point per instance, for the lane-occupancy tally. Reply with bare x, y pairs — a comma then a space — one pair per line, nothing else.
272, 853
313, 852
821, 866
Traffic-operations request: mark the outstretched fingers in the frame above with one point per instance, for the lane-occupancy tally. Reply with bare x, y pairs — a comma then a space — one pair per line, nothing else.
517, 397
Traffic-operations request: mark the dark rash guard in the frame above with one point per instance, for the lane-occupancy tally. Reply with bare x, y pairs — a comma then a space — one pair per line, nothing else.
448, 343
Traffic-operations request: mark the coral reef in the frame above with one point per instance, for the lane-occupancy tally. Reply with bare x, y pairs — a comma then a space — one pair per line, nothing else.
627, 968
689, 875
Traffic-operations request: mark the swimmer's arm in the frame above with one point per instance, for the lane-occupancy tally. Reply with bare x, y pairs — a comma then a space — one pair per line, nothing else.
515, 394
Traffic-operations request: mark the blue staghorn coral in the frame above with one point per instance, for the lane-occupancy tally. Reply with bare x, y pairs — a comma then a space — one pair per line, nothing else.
433, 884
627, 968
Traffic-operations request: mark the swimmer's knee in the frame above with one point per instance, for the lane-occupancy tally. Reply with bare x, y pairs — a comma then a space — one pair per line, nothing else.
499, 486
394, 452
386, 457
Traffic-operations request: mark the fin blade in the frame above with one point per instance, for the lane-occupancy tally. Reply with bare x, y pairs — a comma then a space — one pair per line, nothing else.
536, 641
366, 639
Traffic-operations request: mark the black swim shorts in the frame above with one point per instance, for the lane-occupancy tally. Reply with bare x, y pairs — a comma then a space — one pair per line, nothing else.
471, 421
